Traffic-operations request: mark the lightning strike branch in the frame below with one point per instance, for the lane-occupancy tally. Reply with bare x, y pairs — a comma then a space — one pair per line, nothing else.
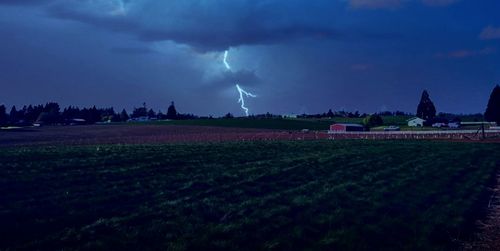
228, 67
242, 100
242, 92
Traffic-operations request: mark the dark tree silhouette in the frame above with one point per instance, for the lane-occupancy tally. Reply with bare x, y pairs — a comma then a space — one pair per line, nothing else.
3, 116
108, 114
426, 109
373, 120
49, 114
492, 113
13, 117
70, 113
124, 115
140, 112
161, 115
330, 113
151, 114
43, 118
30, 114
52, 107
171, 112
94, 115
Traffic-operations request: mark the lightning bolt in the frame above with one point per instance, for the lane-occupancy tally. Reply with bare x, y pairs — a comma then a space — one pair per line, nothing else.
241, 100
242, 92
228, 67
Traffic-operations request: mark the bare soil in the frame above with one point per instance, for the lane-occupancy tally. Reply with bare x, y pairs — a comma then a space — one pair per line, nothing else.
141, 134
147, 134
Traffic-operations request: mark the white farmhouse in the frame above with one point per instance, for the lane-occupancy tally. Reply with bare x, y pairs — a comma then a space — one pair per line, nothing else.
290, 116
415, 122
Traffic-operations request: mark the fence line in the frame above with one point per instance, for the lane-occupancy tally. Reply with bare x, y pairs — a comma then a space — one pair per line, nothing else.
416, 132
449, 134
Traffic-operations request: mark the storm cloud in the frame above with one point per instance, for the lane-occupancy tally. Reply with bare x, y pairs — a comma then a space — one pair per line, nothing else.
302, 56
199, 24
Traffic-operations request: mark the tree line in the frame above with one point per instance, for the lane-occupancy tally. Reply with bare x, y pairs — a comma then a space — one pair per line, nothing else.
51, 113
427, 111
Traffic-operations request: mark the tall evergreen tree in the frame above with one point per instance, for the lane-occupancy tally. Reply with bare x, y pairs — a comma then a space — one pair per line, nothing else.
140, 112
426, 109
171, 112
13, 115
330, 113
3, 115
124, 115
30, 114
51, 113
492, 113
22, 113
95, 115
151, 114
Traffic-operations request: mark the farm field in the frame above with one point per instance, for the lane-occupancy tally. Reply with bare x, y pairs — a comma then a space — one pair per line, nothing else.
164, 133
283, 195
292, 124
141, 134
264, 123
278, 123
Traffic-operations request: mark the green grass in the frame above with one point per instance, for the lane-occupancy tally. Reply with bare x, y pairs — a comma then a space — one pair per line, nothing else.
410, 128
276, 123
282, 124
317, 195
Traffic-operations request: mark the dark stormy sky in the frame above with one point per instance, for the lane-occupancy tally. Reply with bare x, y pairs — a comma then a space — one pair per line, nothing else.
296, 55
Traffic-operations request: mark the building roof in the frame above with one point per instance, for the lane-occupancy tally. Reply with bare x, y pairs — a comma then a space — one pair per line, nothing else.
352, 125
415, 118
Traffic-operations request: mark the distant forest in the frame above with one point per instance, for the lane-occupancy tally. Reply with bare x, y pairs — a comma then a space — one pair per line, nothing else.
52, 114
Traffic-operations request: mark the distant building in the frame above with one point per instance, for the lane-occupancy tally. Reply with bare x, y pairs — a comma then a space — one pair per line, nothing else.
77, 121
392, 129
416, 122
290, 116
139, 119
347, 128
439, 125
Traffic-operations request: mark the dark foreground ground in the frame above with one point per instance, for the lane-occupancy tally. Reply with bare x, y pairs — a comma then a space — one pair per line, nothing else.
285, 195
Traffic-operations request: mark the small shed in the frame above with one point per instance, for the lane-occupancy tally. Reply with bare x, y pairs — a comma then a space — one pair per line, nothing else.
416, 121
346, 128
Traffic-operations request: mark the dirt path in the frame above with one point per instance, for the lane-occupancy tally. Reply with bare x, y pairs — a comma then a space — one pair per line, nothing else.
488, 237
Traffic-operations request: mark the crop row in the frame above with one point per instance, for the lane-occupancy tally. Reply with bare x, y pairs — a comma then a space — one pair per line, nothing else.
292, 195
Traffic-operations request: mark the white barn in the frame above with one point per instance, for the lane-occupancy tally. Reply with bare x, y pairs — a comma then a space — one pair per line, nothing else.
415, 122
